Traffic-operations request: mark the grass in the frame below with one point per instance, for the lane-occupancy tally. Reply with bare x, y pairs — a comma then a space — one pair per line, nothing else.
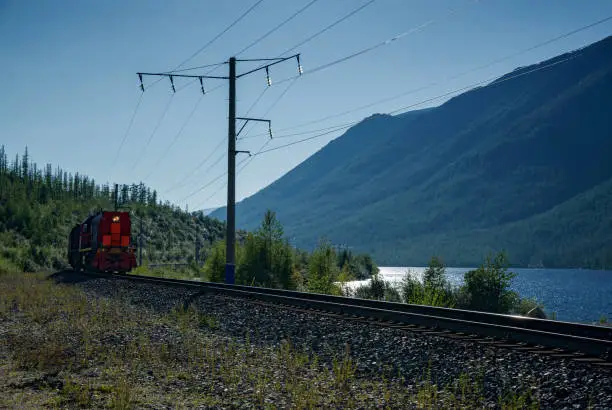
61, 348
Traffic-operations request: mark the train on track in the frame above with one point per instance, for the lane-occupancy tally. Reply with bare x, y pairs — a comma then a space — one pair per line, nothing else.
102, 243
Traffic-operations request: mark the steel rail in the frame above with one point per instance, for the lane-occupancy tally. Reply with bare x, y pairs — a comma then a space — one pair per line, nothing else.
586, 339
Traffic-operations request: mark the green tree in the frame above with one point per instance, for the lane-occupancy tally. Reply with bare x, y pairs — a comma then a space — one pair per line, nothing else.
323, 270
487, 287
214, 268
435, 274
267, 258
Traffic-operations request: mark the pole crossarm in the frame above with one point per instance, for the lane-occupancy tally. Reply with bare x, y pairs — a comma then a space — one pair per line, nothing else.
266, 66
262, 59
246, 121
183, 75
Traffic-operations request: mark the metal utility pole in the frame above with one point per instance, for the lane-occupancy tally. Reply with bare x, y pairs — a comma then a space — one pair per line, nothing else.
140, 245
116, 197
230, 241
230, 251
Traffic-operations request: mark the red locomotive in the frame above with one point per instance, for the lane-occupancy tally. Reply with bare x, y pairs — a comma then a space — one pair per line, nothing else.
102, 243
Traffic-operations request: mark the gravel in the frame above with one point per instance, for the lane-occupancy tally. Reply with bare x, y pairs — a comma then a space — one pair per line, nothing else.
403, 355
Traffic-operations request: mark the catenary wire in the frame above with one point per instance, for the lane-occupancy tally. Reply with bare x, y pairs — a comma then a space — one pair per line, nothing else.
176, 137
332, 25
495, 80
370, 48
344, 126
412, 91
288, 19
243, 15
218, 189
418, 28
205, 46
127, 131
182, 182
159, 121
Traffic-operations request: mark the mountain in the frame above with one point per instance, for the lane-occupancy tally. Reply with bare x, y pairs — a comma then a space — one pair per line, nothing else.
522, 164
207, 211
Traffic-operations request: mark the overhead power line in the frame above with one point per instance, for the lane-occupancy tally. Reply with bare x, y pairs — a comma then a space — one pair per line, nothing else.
176, 137
373, 47
218, 177
183, 181
308, 39
127, 131
159, 121
338, 127
332, 25
287, 20
434, 83
205, 46
495, 82
268, 141
218, 189
542, 44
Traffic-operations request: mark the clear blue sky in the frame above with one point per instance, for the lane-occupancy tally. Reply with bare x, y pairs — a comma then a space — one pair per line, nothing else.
70, 88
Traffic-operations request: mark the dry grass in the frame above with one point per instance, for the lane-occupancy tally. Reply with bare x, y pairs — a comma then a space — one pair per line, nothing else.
59, 348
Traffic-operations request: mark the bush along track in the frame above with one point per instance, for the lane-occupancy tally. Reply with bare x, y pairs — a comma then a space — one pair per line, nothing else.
123, 344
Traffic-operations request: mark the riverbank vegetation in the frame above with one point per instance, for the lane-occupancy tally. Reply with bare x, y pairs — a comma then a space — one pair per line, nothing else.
486, 289
265, 258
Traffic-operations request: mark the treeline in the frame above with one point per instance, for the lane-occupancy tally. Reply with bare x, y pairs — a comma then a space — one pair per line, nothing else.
39, 206
265, 258
23, 179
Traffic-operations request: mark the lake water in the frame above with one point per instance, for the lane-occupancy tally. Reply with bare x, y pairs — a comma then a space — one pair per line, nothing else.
575, 295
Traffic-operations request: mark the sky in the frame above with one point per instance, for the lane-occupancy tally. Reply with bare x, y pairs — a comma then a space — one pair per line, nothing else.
71, 94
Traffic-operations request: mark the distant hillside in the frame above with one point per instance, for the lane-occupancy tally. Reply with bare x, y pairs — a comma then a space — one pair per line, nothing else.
207, 211
522, 164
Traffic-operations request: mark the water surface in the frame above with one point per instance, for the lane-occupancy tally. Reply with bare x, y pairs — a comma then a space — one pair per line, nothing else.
576, 295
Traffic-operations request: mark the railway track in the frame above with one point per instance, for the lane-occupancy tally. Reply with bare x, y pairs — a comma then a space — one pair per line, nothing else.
585, 343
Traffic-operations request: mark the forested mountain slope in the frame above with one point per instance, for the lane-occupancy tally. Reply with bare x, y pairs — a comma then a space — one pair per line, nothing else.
523, 164
39, 206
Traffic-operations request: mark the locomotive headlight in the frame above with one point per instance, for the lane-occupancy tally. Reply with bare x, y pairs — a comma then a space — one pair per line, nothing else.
115, 218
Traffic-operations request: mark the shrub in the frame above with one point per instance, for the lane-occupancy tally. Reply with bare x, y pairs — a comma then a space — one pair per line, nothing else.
322, 270
214, 268
435, 274
435, 290
418, 293
267, 258
377, 289
487, 287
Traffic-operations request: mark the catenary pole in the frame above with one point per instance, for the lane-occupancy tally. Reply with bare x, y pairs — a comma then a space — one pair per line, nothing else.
230, 252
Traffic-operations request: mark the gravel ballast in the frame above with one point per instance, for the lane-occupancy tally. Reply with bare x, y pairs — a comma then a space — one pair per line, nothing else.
404, 355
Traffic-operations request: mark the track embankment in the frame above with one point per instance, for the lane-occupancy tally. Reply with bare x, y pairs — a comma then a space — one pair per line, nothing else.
407, 355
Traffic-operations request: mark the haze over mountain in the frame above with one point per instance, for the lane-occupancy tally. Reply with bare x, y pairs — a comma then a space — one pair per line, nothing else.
523, 165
